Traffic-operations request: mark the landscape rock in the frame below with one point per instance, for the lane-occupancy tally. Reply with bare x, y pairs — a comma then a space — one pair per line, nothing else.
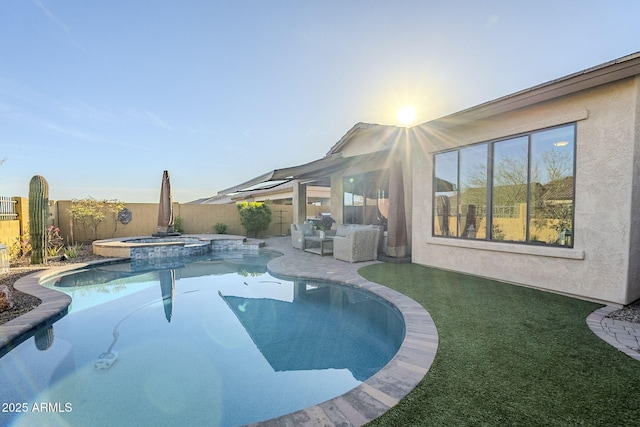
6, 298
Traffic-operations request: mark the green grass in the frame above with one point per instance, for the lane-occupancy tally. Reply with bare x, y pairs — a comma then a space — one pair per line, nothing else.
510, 355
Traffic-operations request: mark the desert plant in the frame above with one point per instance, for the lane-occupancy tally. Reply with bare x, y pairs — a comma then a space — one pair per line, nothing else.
38, 216
44, 338
91, 213
220, 228
72, 251
254, 217
54, 241
178, 224
21, 247
53, 251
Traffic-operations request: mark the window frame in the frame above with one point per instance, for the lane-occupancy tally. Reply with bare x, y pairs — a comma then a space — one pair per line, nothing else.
490, 189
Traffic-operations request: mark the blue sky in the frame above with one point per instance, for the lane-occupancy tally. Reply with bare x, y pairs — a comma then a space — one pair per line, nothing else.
100, 97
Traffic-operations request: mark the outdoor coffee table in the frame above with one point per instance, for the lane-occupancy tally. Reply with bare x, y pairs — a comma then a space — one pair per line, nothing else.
322, 251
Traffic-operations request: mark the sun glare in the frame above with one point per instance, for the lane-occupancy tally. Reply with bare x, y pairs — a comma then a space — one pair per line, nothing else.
407, 115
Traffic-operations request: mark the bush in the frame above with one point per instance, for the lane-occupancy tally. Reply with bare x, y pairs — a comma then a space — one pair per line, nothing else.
254, 217
178, 224
73, 251
91, 213
220, 228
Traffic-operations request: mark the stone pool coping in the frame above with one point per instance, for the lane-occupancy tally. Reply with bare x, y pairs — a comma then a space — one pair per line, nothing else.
54, 304
369, 400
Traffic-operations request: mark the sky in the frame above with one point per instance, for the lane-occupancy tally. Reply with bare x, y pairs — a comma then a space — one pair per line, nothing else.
100, 97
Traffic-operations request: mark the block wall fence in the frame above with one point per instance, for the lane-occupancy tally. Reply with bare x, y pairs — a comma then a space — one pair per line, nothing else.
196, 219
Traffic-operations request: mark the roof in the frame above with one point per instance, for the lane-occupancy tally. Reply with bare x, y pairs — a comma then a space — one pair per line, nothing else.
306, 173
362, 130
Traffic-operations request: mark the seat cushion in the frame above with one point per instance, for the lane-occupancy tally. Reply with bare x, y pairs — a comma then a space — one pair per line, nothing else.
342, 230
307, 229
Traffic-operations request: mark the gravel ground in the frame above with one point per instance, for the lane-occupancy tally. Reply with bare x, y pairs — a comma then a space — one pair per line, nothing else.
630, 313
24, 302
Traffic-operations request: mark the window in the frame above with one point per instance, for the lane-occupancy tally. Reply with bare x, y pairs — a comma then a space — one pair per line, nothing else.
527, 183
366, 198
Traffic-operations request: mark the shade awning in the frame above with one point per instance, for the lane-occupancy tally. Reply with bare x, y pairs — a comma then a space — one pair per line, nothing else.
309, 171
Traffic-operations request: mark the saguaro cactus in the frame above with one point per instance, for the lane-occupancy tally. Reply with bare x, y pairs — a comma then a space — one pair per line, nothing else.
38, 216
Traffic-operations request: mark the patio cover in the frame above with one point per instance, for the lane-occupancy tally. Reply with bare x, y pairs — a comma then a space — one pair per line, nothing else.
311, 171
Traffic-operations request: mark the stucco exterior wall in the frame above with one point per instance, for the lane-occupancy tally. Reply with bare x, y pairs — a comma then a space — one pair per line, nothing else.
633, 291
598, 267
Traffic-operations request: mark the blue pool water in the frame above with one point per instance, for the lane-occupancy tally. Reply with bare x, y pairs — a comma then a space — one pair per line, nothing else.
202, 342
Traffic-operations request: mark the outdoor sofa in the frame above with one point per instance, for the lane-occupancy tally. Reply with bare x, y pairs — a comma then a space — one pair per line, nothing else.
355, 243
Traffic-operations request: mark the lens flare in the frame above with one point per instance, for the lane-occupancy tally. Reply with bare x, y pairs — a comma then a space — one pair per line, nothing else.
407, 115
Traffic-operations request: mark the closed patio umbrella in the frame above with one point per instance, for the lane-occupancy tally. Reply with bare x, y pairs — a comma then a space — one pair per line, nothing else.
397, 241
168, 286
165, 208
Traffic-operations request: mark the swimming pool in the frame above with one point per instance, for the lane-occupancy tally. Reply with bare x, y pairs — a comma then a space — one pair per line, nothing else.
208, 342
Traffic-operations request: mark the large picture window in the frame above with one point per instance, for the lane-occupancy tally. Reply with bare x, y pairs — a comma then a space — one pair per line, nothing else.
519, 189
366, 198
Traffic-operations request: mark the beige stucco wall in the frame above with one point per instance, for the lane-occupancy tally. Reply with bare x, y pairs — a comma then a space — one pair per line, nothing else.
599, 266
196, 219
9, 232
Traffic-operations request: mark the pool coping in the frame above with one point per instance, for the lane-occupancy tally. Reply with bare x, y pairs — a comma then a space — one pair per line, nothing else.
54, 304
368, 401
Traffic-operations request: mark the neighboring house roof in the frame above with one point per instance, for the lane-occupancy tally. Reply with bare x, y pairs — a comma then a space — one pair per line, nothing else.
561, 189
226, 198
312, 171
277, 192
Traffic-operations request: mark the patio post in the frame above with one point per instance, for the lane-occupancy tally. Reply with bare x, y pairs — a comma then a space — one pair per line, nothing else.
299, 202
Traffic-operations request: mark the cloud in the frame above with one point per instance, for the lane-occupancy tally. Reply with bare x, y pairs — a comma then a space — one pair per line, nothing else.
62, 26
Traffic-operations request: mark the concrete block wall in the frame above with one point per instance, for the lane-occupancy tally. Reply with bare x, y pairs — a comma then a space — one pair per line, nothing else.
196, 219
9, 232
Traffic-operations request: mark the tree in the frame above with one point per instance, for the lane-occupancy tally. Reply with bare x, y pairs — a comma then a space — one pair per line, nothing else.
91, 212
254, 217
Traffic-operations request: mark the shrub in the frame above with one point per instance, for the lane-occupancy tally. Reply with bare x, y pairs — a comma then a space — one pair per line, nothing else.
254, 217
178, 224
73, 250
21, 247
54, 241
220, 228
91, 212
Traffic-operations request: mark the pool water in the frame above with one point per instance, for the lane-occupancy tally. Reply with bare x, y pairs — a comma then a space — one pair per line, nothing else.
206, 341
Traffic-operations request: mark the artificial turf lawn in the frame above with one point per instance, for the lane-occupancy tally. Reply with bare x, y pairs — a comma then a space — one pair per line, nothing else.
509, 355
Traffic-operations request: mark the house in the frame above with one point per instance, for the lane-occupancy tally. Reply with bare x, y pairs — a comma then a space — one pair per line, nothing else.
538, 188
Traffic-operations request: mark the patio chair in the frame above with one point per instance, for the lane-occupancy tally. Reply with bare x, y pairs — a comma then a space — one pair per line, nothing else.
356, 243
298, 232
